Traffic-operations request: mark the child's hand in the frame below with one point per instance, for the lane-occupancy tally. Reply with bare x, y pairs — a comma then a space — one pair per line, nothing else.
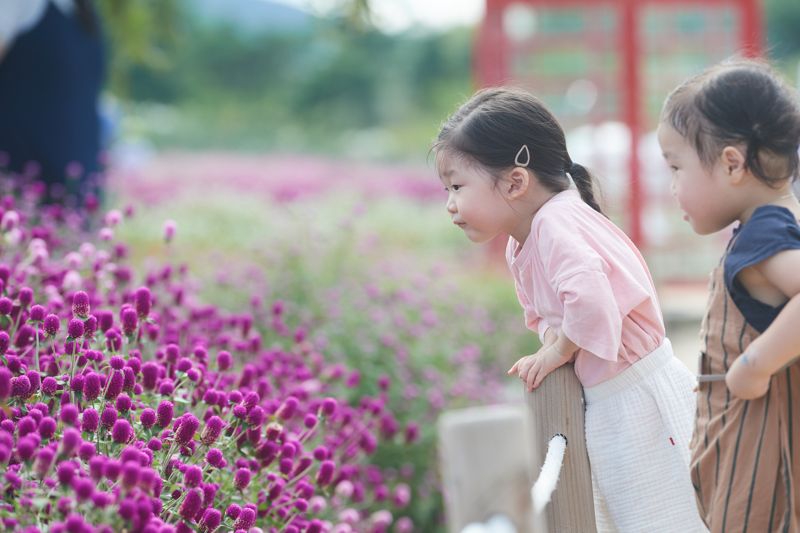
745, 380
532, 369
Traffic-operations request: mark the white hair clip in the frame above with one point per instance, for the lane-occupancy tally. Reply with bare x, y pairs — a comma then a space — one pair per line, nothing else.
527, 154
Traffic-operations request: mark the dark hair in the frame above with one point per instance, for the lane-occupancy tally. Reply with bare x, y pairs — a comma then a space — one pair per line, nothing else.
739, 102
491, 128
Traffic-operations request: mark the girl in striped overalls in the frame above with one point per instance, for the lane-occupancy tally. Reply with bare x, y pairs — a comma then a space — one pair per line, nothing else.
730, 136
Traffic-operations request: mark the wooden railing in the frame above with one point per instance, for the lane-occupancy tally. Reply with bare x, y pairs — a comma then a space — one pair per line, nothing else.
557, 408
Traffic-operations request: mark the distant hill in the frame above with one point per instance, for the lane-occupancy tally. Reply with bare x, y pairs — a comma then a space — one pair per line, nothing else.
250, 16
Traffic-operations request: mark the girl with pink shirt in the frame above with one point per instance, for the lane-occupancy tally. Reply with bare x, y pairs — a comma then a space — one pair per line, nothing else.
587, 292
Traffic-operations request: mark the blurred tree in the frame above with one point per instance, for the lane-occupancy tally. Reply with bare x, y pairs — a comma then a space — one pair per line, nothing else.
783, 23
142, 36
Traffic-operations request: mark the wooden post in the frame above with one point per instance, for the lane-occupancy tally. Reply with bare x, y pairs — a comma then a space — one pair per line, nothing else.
557, 407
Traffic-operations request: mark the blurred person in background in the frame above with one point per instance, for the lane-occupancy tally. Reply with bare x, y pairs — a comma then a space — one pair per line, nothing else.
52, 68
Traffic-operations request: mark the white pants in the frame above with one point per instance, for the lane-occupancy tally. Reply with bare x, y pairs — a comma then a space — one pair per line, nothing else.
638, 427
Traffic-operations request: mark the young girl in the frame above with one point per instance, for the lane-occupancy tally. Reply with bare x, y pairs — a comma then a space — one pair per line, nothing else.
586, 289
731, 137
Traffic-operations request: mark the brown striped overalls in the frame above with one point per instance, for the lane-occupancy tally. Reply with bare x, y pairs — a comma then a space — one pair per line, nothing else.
744, 464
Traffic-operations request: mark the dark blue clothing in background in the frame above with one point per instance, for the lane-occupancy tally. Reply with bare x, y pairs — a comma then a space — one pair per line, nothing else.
50, 83
772, 229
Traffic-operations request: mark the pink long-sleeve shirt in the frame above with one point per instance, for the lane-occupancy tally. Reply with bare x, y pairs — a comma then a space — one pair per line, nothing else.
579, 273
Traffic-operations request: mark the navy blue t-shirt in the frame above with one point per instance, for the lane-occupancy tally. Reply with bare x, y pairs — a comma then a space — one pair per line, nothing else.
771, 229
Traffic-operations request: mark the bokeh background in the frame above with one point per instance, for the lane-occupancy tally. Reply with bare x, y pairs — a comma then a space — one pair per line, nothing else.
289, 142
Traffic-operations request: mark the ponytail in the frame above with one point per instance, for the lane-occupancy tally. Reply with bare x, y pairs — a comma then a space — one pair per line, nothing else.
585, 184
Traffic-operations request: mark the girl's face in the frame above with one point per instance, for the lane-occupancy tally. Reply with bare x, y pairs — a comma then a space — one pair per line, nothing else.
705, 195
475, 204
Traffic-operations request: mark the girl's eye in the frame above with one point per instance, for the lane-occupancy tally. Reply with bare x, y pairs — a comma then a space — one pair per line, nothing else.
673, 168
455, 187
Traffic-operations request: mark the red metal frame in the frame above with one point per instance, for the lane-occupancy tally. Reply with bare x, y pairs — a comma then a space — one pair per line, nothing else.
491, 63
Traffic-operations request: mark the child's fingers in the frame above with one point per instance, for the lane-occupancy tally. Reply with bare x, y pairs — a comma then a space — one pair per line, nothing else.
531, 378
513, 369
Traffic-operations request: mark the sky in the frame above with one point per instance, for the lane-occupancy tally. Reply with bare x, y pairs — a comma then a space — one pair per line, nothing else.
398, 15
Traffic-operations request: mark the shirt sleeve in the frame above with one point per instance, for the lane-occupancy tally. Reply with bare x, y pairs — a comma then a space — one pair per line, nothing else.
771, 230
578, 274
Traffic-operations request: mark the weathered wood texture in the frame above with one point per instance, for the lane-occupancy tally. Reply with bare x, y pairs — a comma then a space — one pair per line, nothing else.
557, 407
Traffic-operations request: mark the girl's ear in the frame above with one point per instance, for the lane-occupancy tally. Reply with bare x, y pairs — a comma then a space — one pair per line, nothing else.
516, 183
733, 161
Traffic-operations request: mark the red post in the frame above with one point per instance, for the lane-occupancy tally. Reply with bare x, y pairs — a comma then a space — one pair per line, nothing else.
629, 83
751, 28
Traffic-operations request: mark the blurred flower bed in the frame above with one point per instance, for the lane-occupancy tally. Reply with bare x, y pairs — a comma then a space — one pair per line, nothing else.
291, 382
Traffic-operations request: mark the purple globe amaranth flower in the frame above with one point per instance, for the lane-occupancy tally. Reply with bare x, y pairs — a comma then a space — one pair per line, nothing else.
69, 414
115, 384
165, 411
5, 342
116, 362
169, 230
211, 520
212, 431
6, 305
47, 427
35, 379
70, 440
122, 431
246, 520
83, 487
44, 460
5, 383
130, 474
123, 403
147, 418
75, 328
38, 313
27, 424
25, 336
325, 473
49, 386
215, 458
111, 469
287, 410
76, 384
149, 375
130, 320
20, 386
193, 476
233, 511
86, 451
191, 504
51, 325
26, 447
25, 297
108, 417
90, 327
329, 406
105, 320
91, 386
142, 302
187, 429
224, 361
241, 479
90, 420
183, 364
411, 433
113, 340
80, 304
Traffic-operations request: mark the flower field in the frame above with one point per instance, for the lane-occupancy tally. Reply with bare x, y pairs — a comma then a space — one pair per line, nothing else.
211, 355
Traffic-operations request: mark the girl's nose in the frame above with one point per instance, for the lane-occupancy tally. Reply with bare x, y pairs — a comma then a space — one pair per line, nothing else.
451, 205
